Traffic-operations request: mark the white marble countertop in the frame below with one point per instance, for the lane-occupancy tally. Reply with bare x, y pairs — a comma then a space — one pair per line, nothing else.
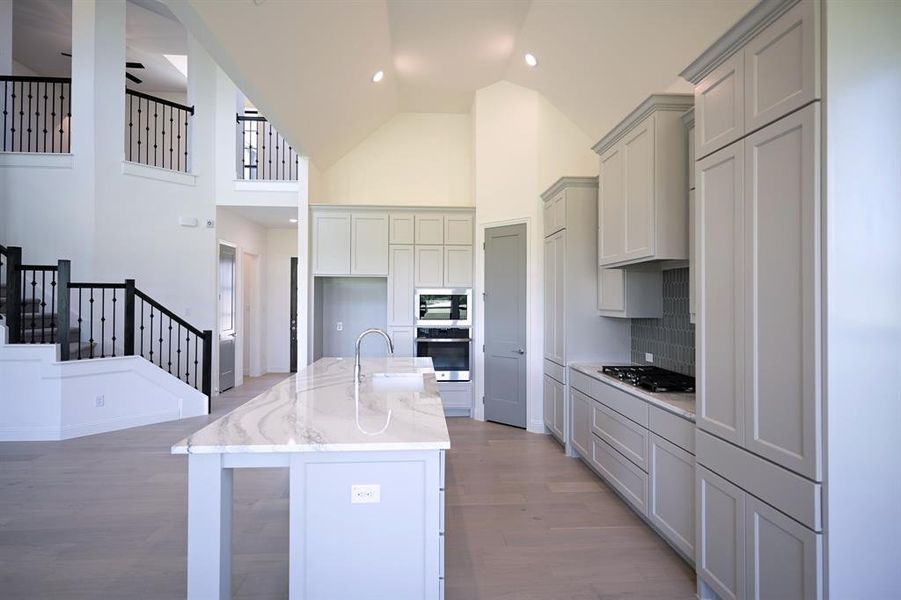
678, 403
397, 406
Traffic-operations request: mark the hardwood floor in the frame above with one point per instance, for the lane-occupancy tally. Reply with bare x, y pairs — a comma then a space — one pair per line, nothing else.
104, 517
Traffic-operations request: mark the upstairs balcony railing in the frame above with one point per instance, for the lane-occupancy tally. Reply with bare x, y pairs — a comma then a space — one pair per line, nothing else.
36, 114
156, 133
264, 153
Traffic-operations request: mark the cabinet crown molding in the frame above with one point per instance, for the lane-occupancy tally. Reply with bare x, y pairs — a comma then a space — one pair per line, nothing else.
567, 182
736, 37
689, 119
653, 103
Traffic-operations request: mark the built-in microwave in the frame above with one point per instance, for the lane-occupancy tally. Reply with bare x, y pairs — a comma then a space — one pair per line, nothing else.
443, 307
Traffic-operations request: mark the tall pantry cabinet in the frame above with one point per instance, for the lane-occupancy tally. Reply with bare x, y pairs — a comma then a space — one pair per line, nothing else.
572, 330
758, 229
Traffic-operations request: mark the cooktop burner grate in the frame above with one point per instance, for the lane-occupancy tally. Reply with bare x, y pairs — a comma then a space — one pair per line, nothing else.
653, 379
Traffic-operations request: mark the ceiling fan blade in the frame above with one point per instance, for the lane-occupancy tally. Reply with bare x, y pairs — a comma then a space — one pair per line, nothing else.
131, 77
133, 65
66, 54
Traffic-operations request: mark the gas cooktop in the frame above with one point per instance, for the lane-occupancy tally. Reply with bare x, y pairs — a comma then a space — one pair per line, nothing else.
652, 379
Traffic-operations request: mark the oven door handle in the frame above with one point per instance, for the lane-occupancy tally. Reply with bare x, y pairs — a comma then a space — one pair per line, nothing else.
443, 340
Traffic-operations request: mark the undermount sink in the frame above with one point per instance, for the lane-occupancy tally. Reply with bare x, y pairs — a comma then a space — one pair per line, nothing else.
397, 382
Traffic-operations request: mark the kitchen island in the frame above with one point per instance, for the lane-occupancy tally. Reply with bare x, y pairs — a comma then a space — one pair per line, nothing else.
366, 463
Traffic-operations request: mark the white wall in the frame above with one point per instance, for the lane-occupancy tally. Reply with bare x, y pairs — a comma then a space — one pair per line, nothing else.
863, 301
418, 159
281, 245
522, 144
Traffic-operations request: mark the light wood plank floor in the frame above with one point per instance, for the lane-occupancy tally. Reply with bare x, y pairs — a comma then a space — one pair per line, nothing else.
104, 517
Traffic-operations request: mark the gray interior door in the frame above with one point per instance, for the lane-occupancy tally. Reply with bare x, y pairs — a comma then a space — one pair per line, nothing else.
227, 317
505, 325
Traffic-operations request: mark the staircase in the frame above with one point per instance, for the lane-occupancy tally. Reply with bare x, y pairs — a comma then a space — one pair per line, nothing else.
39, 304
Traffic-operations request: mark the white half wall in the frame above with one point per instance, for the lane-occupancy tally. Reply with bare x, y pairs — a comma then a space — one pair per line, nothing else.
281, 245
44, 399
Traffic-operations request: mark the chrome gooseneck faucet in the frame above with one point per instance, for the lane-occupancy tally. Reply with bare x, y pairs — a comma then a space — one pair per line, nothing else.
358, 376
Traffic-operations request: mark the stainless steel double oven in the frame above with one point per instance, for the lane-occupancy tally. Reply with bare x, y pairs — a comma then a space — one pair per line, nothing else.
443, 331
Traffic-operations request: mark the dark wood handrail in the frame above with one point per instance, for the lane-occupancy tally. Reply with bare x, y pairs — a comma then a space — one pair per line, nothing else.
168, 312
159, 100
257, 118
106, 286
27, 78
39, 267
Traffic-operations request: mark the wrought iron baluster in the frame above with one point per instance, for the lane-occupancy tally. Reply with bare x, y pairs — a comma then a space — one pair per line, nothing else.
21, 112
43, 303
188, 357
130, 122
114, 322
160, 325
169, 359
186, 142
53, 307
91, 323
178, 156
178, 353
147, 135
171, 122
156, 128
195, 360
5, 110
139, 129
150, 340
268, 126
29, 116
34, 303
44, 144
79, 324
102, 322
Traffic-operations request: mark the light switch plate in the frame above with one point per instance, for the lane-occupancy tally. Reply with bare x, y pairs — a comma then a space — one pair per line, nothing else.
370, 493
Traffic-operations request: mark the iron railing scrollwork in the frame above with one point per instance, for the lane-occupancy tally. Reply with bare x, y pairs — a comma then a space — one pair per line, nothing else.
157, 131
36, 114
264, 153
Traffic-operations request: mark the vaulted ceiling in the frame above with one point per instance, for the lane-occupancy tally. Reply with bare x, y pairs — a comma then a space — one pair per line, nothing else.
308, 64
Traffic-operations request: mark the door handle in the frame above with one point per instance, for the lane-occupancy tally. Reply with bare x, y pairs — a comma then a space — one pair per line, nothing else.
520, 351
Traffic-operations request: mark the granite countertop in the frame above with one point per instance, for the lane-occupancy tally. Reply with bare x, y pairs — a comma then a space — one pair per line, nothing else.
397, 406
679, 403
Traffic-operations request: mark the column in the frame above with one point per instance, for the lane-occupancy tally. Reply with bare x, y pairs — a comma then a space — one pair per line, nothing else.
209, 527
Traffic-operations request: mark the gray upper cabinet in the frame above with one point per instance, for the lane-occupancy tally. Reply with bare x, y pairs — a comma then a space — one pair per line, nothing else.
719, 107
458, 266
781, 66
782, 315
720, 322
429, 228
642, 198
369, 244
331, 243
401, 292
555, 298
429, 266
630, 293
555, 213
458, 229
402, 228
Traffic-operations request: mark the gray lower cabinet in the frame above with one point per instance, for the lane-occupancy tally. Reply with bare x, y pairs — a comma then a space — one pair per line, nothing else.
621, 473
580, 406
671, 493
720, 534
456, 397
554, 406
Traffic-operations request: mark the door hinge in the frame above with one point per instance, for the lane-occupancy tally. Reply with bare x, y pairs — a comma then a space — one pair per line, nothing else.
483, 399
483, 347
483, 245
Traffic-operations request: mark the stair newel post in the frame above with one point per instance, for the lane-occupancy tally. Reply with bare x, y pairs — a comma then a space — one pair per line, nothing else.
129, 333
14, 294
207, 385
64, 276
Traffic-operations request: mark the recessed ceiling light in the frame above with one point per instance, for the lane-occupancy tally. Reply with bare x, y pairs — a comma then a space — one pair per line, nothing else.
292, 220
531, 60
378, 76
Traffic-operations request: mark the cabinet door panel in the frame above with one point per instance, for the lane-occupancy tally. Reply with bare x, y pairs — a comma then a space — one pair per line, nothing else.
560, 410
671, 493
720, 321
548, 402
611, 207
550, 298
580, 423
458, 229
638, 183
369, 244
458, 266
429, 228
331, 243
401, 228
783, 241
720, 534
611, 290
429, 266
621, 473
628, 438
403, 340
781, 67
719, 106
692, 258
784, 558
560, 298
401, 286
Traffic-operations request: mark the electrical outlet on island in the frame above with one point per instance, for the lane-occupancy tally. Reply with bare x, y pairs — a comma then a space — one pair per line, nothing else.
649, 358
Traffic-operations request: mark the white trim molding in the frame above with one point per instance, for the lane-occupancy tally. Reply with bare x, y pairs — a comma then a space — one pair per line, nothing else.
168, 175
45, 160
265, 185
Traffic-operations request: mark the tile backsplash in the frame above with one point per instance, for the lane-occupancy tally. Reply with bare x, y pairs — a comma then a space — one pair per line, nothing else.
671, 339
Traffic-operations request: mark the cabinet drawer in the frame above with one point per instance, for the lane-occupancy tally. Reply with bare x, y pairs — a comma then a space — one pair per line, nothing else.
623, 403
630, 439
554, 370
629, 480
676, 430
580, 381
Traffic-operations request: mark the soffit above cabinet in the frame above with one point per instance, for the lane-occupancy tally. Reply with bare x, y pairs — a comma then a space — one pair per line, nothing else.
654, 103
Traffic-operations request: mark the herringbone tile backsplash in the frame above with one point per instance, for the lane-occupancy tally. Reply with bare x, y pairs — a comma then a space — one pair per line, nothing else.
671, 339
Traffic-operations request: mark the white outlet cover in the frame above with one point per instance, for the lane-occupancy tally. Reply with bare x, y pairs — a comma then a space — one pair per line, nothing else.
99, 401
370, 493
649, 357
340, 326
